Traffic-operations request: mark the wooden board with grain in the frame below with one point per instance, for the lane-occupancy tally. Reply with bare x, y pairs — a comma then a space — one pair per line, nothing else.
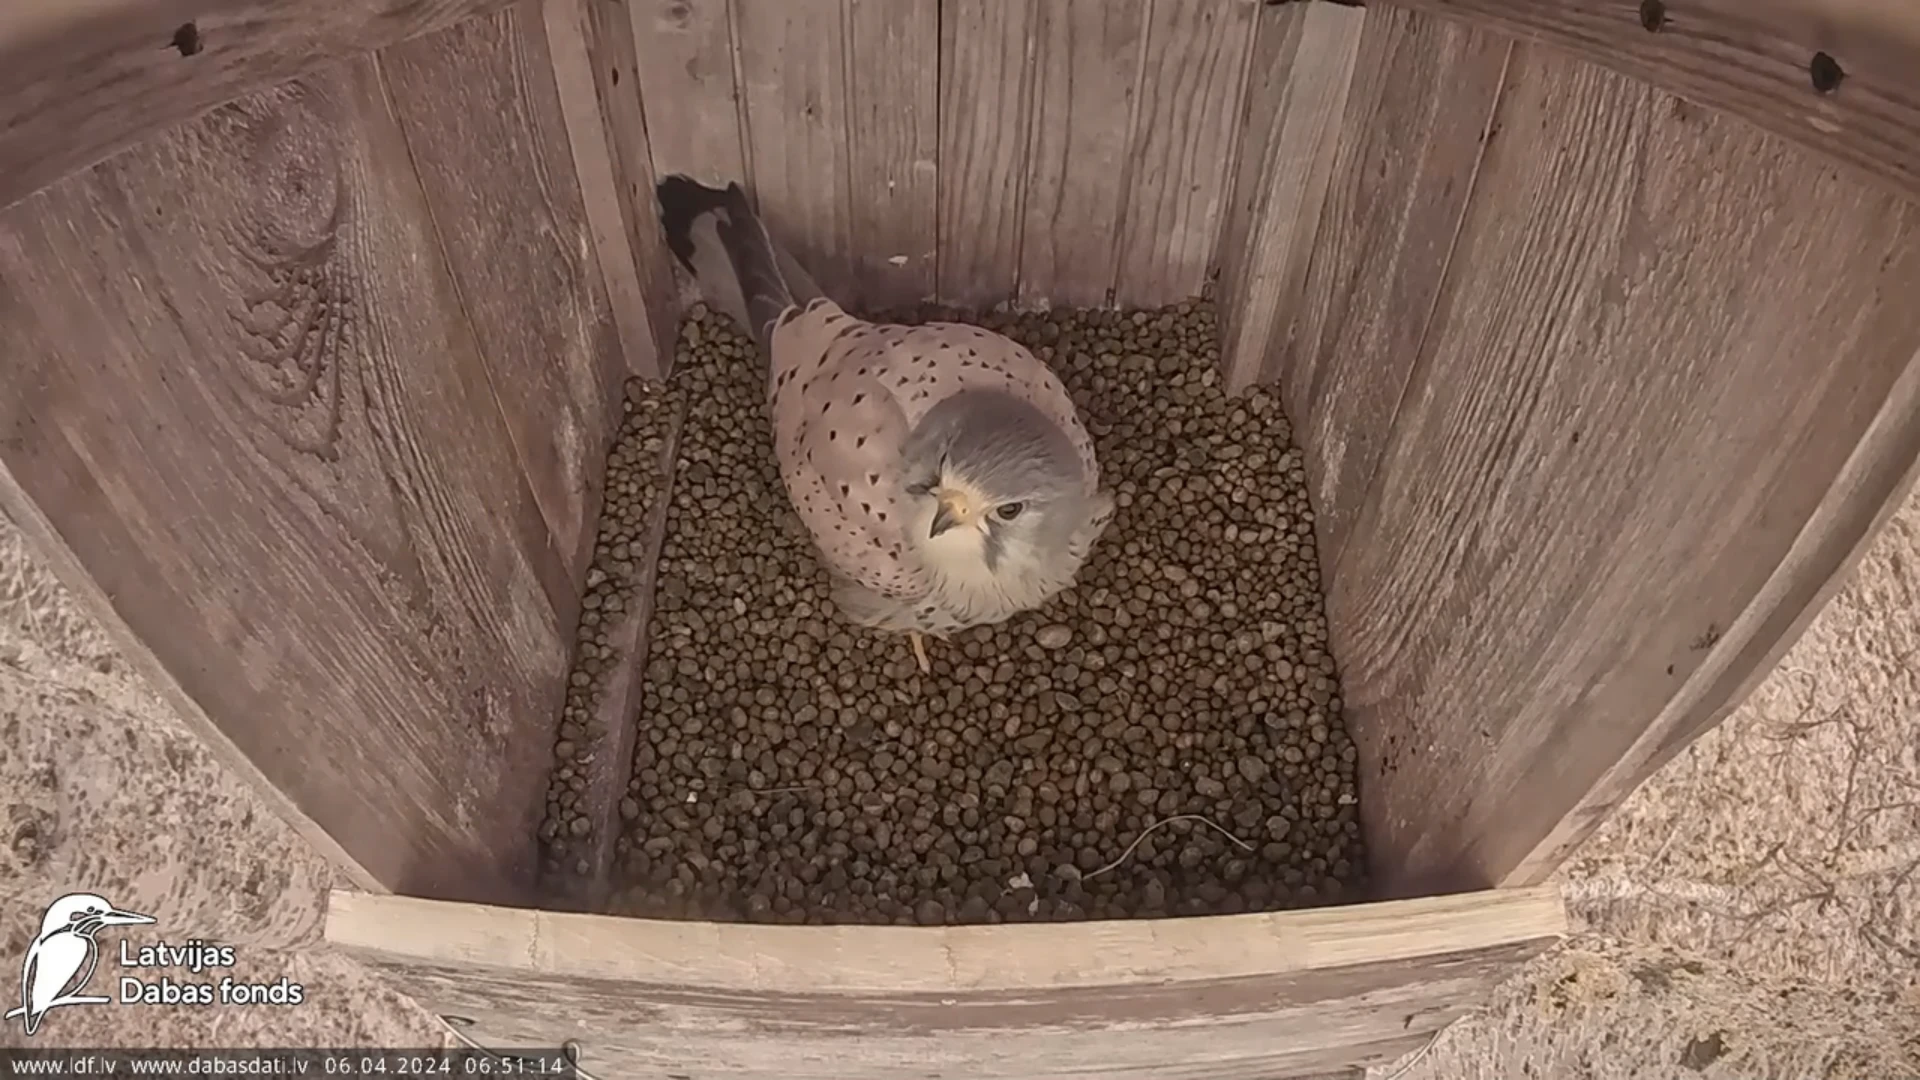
893, 92
685, 53
243, 400
1298, 82
1341, 340
986, 78
480, 112
1610, 489
596, 69
1186, 131
81, 79
1223, 998
1088, 58
1755, 59
792, 56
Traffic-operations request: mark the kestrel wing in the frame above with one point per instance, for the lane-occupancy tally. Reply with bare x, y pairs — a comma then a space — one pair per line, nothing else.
838, 430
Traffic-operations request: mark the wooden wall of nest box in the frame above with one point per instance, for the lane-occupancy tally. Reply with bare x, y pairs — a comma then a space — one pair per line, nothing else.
1594, 319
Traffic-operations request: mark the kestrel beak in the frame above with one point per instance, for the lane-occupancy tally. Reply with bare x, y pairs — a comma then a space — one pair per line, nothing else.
953, 510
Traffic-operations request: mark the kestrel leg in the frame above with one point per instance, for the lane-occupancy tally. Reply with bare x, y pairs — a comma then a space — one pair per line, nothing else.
920, 651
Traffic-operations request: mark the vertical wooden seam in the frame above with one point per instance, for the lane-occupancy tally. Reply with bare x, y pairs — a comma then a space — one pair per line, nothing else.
595, 153
1216, 257
1310, 120
567, 559
1129, 166
750, 180
939, 136
856, 225
660, 336
1233, 307
1029, 104
1333, 562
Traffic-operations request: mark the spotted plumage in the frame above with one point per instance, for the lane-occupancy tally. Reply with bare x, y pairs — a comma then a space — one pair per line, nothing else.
942, 470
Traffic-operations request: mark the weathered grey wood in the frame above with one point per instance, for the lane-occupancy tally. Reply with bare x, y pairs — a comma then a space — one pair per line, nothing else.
893, 88
1088, 58
1244, 996
1184, 140
1582, 538
240, 390
1407, 149
597, 72
1303, 65
986, 76
798, 120
80, 79
686, 58
295, 919
481, 115
1753, 59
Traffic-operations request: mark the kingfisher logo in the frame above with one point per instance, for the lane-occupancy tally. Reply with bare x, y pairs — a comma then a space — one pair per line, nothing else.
61, 958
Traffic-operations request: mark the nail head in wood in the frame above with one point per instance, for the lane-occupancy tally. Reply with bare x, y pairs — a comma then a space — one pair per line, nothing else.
1826, 72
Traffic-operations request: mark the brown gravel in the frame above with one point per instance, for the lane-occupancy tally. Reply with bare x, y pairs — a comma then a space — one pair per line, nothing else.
1165, 738
635, 484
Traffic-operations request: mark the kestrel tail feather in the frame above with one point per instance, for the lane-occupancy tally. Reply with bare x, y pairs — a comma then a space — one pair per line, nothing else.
720, 240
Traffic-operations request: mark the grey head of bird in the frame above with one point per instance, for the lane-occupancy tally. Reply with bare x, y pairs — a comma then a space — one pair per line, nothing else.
1002, 501
85, 914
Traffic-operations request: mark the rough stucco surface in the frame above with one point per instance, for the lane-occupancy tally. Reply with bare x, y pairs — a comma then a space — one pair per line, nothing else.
1754, 910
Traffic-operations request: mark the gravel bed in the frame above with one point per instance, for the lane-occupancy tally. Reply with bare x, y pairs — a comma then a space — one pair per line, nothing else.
1163, 739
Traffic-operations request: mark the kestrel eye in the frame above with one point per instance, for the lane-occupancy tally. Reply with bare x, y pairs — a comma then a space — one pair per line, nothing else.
1009, 511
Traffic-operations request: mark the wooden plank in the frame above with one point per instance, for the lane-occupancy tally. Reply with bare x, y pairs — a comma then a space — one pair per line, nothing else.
1753, 59
480, 112
793, 78
240, 390
1302, 67
80, 79
47, 543
1583, 530
1405, 156
1873, 484
687, 80
596, 69
1086, 72
1184, 140
893, 86
1241, 996
608, 765
986, 76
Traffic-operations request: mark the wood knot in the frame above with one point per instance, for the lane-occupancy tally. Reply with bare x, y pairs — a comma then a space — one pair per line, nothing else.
187, 41
1653, 15
290, 149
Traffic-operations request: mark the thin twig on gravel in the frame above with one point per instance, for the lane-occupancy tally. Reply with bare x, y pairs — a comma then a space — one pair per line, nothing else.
1148, 831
